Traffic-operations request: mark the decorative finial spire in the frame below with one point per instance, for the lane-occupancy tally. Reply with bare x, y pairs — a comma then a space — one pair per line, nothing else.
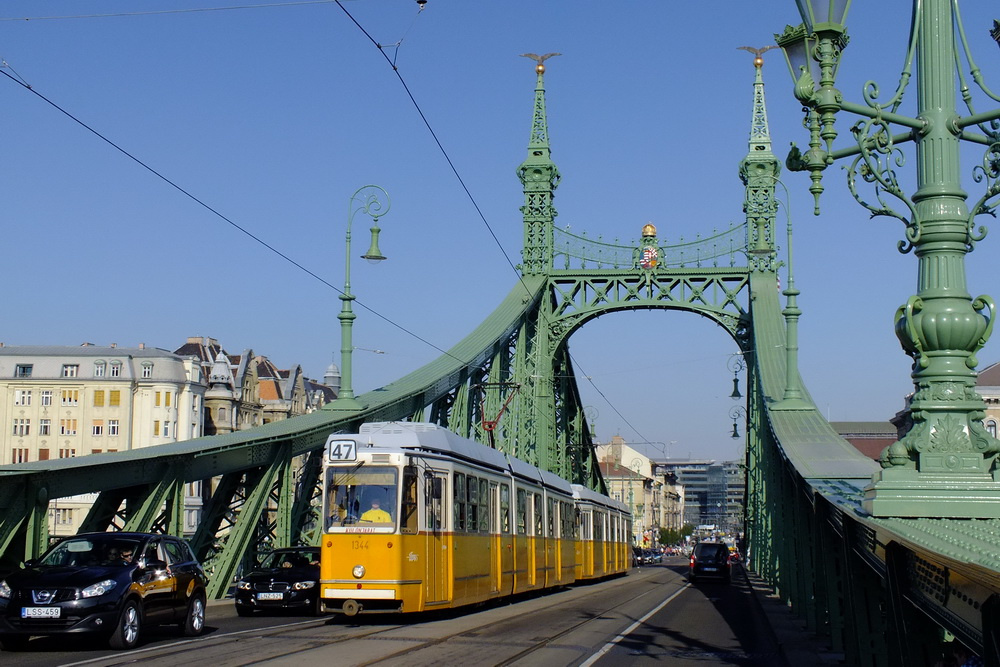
760, 136
759, 172
540, 177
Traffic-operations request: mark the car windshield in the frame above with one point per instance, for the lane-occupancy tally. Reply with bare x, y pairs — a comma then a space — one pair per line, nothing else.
107, 550
285, 559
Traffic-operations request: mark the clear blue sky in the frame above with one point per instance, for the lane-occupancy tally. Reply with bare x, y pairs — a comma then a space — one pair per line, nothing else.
274, 115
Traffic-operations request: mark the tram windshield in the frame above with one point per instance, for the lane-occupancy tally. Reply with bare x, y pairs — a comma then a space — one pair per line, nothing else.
361, 496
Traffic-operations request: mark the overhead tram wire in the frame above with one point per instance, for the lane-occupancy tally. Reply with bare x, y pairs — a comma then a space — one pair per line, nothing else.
268, 5
24, 84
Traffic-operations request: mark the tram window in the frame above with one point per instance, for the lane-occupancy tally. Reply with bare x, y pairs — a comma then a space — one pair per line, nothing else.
537, 504
551, 507
472, 525
459, 502
484, 499
350, 492
522, 511
408, 518
585, 530
566, 520
598, 526
505, 509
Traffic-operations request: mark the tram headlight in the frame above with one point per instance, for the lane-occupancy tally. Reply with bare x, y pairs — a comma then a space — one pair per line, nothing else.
358, 571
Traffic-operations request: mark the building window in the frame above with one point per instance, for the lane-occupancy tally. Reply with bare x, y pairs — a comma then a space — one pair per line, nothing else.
67, 453
67, 427
156, 399
156, 427
222, 415
22, 371
98, 427
44, 427
22, 427
147, 370
166, 429
99, 367
70, 370
115, 398
112, 427
22, 397
19, 455
98, 398
166, 399
991, 428
70, 396
46, 397
116, 369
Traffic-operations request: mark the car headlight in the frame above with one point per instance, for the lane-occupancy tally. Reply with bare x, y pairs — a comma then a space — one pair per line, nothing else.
100, 588
243, 585
303, 585
358, 571
4, 590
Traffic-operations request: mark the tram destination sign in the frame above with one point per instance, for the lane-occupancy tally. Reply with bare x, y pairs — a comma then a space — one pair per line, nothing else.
339, 449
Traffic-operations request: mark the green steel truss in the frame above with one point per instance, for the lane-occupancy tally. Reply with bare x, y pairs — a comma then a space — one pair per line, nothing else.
864, 583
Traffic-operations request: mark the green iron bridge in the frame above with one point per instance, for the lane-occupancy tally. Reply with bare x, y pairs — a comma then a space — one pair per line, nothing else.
889, 557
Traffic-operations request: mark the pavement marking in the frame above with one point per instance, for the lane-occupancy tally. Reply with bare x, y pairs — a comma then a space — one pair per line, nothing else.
611, 644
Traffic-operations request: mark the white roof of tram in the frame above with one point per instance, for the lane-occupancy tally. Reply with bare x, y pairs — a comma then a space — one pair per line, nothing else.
434, 438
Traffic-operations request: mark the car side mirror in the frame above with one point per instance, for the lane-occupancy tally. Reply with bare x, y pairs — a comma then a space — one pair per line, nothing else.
31, 562
155, 565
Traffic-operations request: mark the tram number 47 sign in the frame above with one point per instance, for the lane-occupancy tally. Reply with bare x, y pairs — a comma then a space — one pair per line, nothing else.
341, 450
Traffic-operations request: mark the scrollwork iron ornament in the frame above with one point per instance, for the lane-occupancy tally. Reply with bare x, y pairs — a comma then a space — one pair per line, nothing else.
876, 164
988, 171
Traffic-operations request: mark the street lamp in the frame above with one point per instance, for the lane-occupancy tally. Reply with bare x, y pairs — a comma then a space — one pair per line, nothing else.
941, 327
737, 413
374, 202
737, 365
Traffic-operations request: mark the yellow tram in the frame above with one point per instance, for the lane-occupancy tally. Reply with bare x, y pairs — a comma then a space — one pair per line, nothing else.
417, 518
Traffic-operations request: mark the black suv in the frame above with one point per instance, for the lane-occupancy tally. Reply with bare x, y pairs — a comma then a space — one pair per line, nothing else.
104, 583
287, 579
709, 559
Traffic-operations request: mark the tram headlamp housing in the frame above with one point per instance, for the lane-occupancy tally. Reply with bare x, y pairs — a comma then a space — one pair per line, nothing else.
358, 571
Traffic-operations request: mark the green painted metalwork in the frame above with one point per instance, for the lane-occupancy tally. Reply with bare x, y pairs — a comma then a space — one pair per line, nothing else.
946, 464
511, 382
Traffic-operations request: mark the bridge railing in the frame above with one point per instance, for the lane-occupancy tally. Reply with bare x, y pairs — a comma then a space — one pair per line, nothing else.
580, 251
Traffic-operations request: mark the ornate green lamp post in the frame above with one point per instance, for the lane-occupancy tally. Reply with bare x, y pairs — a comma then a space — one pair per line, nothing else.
373, 201
946, 464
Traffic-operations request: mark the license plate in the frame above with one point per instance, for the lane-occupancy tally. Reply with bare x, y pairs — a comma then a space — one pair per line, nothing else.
40, 612
711, 569
269, 596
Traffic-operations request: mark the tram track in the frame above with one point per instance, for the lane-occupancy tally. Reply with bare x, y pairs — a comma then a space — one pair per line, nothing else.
290, 644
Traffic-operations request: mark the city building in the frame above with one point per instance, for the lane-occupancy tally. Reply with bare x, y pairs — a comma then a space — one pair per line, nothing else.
714, 491
67, 401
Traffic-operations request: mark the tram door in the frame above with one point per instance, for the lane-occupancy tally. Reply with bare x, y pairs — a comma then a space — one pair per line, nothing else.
437, 573
495, 547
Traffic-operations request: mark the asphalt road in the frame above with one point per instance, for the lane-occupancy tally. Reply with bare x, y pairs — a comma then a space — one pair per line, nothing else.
651, 615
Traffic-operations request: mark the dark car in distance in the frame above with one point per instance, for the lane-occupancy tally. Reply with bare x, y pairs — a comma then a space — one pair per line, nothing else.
111, 584
287, 578
709, 560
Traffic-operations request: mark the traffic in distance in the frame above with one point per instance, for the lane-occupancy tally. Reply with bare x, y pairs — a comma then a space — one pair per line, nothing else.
415, 518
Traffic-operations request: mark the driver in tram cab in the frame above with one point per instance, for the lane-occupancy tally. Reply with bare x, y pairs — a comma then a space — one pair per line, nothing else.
376, 514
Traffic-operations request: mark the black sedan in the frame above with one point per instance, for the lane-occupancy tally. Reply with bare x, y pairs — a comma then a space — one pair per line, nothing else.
287, 579
709, 560
109, 584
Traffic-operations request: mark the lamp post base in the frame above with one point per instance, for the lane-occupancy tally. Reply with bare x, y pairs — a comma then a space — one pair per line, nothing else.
345, 404
907, 493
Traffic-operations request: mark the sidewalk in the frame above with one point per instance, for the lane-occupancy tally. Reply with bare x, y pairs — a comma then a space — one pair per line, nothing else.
798, 645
